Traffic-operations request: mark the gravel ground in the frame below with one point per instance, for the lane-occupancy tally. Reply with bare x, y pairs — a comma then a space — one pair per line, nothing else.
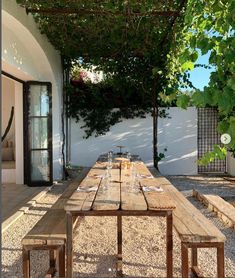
143, 240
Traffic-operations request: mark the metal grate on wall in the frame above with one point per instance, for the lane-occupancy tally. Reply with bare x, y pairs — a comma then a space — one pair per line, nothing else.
207, 137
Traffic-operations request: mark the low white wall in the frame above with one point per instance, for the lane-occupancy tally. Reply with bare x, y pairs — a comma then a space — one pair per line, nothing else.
231, 164
178, 134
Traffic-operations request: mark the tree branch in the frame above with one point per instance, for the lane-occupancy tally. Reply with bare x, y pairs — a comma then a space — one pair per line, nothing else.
81, 11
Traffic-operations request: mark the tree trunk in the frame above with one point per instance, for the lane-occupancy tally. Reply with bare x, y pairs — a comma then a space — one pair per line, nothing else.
64, 118
155, 124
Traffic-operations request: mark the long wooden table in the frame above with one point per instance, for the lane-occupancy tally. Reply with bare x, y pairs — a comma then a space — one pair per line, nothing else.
119, 198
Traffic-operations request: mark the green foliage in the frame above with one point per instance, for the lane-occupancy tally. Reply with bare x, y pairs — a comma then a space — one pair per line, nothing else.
101, 105
183, 101
217, 153
130, 47
208, 28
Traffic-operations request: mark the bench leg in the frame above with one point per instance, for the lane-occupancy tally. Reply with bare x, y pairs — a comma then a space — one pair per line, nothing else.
52, 264
26, 263
220, 261
184, 260
196, 271
52, 256
62, 261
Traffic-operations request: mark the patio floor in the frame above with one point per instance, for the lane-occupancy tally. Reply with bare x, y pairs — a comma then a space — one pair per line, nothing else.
16, 198
95, 252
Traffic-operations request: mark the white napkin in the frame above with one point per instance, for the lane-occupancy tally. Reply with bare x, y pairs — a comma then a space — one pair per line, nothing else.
145, 176
152, 188
87, 189
96, 176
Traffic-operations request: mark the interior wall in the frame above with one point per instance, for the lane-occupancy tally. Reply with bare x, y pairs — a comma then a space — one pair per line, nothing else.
178, 134
8, 100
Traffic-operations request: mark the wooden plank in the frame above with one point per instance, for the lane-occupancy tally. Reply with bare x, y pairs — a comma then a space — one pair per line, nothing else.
74, 184
142, 169
52, 258
50, 273
169, 245
184, 260
194, 256
69, 246
131, 198
62, 261
215, 203
108, 199
189, 222
197, 272
119, 247
157, 200
50, 227
220, 261
97, 170
26, 263
82, 200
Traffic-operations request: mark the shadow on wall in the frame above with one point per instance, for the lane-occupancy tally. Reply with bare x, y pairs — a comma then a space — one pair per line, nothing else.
135, 135
178, 134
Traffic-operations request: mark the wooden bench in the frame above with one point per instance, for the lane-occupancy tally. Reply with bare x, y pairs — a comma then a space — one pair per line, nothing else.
194, 230
223, 209
50, 234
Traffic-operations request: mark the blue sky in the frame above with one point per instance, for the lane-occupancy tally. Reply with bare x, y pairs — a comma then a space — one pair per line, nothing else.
200, 76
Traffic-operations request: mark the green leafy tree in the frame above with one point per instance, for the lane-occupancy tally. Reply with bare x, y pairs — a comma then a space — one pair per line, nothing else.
208, 28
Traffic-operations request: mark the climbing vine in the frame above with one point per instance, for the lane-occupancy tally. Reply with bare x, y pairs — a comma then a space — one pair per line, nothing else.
103, 104
127, 40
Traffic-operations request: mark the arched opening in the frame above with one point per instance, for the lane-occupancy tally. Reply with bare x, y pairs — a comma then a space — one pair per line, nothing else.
25, 57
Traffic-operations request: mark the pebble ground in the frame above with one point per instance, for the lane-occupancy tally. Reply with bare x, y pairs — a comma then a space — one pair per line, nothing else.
143, 240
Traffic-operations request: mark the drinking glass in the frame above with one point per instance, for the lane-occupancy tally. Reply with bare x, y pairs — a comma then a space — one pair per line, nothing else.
106, 180
128, 156
110, 163
110, 156
134, 178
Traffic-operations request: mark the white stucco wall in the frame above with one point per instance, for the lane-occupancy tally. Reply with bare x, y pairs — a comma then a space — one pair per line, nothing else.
178, 134
8, 100
28, 55
231, 164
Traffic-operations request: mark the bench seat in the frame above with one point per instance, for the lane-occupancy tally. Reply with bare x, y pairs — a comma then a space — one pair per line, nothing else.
222, 208
194, 230
49, 233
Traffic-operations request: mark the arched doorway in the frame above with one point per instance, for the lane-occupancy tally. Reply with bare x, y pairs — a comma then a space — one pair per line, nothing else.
26, 59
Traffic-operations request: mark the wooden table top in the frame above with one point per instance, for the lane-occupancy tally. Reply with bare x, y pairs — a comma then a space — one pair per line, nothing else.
96, 194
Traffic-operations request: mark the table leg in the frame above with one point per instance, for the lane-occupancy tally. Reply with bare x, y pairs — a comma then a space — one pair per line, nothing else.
26, 263
194, 256
69, 246
220, 261
119, 241
169, 245
62, 261
184, 260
